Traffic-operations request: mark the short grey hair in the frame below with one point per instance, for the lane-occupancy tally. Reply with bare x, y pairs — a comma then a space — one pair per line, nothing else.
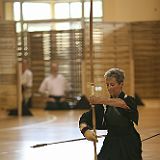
117, 73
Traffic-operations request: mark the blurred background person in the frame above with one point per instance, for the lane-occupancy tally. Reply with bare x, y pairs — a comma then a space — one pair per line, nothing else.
55, 88
27, 82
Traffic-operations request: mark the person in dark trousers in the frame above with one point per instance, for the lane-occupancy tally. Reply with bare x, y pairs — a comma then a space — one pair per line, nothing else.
116, 114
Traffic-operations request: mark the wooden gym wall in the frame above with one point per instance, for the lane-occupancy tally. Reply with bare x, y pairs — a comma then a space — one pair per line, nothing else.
146, 50
111, 48
8, 62
64, 47
135, 47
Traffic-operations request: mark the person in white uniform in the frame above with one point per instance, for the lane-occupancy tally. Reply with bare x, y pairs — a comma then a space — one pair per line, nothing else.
55, 87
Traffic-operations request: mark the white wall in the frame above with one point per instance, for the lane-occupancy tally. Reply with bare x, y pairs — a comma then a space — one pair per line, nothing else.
131, 10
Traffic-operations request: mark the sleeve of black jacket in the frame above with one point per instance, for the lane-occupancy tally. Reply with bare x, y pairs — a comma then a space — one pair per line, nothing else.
87, 117
132, 113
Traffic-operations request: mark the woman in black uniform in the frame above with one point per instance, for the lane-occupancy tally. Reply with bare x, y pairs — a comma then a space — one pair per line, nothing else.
117, 115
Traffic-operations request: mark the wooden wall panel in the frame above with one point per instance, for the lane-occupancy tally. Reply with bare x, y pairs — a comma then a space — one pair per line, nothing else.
37, 64
8, 62
110, 49
146, 48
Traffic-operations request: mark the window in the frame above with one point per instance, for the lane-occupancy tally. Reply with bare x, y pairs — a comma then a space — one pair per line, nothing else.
39, 11
16, 10
32, 11
74, 9
97, 9
61, 10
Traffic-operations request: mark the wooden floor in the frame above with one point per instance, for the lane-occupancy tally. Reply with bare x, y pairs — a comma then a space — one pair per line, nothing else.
17, 135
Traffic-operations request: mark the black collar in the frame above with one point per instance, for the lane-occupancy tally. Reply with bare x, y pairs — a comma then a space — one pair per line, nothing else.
121, 95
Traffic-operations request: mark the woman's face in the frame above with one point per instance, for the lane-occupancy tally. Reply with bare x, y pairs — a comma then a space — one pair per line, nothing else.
113, 87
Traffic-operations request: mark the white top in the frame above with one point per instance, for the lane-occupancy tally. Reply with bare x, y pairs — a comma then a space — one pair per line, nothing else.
27, 78
27, 82
56, 86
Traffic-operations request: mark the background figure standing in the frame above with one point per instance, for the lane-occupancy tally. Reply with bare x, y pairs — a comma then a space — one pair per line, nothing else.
55, 87
117, 115
27, 82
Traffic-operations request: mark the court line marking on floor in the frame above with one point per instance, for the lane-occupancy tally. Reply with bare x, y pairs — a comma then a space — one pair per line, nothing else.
54, 118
